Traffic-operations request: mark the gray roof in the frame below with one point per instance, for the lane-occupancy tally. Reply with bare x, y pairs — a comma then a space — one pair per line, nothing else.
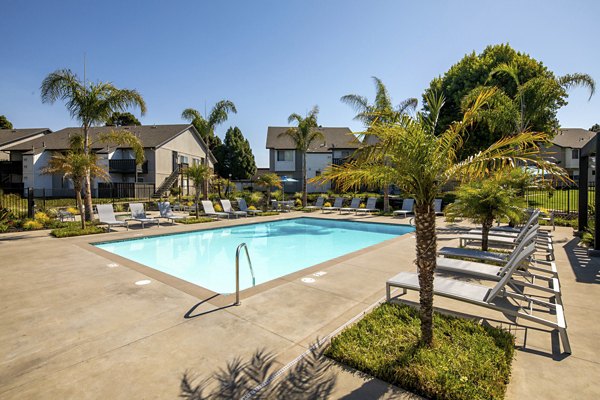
574, 138
8, 136
340, 138
151, 136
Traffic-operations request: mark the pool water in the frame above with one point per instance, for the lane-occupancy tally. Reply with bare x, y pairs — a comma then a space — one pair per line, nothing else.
207, 258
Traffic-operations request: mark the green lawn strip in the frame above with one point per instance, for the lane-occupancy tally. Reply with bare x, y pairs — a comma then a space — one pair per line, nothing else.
267, 213
194, 220
468, 360
74, 229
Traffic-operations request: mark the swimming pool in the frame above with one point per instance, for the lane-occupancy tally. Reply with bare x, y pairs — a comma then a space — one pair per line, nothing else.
207, 258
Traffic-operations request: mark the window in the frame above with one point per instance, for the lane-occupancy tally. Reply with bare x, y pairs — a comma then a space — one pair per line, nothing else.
196, 161
317, 173
285, 155
183, 160
345, 153
575, 154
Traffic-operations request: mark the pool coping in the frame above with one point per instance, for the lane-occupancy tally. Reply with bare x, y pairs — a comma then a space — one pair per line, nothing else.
218, 299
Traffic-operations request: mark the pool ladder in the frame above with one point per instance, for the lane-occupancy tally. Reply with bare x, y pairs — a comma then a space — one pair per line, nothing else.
237, 271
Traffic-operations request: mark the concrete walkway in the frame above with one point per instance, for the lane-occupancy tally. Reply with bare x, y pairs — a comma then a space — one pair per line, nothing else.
75, 325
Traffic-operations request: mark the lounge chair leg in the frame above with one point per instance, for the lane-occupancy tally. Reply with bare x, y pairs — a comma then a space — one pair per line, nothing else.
387, 291
565, 340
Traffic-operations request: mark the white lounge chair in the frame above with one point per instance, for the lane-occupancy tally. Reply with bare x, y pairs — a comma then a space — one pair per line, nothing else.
138, 214
106, 216
226, 204
511, 303
337, 204
244, 207
164, 208
354, 204
369, 207
407, 208
209, 210
318, 204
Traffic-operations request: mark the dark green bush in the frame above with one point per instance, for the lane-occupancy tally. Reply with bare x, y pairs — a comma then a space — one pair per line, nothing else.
194, 220
74, 229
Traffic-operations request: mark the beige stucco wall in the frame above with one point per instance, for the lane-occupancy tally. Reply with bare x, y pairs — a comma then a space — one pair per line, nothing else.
186, 144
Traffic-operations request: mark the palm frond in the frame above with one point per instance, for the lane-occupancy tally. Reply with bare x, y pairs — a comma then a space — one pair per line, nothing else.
577, 79
190, 114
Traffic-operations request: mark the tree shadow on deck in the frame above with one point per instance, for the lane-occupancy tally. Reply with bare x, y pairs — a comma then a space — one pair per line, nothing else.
586, 268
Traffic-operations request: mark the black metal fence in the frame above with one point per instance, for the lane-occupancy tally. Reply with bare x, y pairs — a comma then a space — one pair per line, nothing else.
560, 199
116, 190
21, 205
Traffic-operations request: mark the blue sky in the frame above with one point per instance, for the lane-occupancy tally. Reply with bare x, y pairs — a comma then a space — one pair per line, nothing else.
273, 58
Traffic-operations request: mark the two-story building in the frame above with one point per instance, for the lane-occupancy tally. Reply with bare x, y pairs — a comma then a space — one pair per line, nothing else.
167, 149
284, 160
565, 150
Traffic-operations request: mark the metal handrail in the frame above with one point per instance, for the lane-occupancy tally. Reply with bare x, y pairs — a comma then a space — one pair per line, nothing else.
237, 271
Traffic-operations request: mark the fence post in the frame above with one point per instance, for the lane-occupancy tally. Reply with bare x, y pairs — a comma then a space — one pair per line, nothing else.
30, 203
569, 200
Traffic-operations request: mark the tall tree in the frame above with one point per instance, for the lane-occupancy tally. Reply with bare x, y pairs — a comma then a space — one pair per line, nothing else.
91, 104
74, 165
303, 135
206, 125
381, 112
123, 119
5, 123
543, 94
595, 128
421, 163
269, 181
235, 156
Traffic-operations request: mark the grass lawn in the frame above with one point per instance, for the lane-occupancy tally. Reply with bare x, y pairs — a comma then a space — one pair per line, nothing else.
562, 200
468, 360
74, 229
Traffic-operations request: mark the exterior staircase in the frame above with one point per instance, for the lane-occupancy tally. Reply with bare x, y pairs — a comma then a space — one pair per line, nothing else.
167, 184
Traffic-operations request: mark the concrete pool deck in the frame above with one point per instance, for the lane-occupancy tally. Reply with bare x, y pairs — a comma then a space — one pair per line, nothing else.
75, 325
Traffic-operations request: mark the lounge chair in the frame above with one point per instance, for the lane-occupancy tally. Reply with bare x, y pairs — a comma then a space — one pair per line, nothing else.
437, 207
318, 204
226, 204
209, 210
138, 214
164, 208
369, 207
354, 204
244, 207
407, 208
337, 204
106, 216
497, 298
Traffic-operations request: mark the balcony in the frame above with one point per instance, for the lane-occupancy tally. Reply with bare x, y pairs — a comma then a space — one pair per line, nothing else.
11, 167
125, 167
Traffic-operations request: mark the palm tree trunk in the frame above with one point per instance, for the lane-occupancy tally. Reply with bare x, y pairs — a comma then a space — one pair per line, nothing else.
88, 180
304, 192
426, 263
268, 198
79, 202
197, 201
485, 232
386, 198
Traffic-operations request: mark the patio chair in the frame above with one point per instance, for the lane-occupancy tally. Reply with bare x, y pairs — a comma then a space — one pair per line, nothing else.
318, 204
369, 207
106, 216
138, 214
437, 207
244, 207
337, 204
226, 204
64, 215
498, 298
407, 208
164, 208
354, 205
209, 210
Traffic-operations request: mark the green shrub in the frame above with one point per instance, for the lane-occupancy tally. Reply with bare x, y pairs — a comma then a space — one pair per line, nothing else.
200, 220
267, 213
468, 360
32, 225
74, 229
4, 228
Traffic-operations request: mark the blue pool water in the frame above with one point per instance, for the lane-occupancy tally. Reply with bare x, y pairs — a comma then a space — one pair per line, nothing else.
207, 258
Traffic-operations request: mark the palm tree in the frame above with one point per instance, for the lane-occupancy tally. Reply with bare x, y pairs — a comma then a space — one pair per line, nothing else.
420, 163
303, 136
91, 104
199, 174
75, 165
269, 180
206, 125
380, 112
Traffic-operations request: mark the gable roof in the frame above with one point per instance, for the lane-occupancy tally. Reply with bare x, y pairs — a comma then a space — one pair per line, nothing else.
339, 138
8, 136
574, 138
151, 136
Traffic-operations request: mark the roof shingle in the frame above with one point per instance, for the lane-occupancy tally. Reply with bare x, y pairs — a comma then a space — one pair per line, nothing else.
339, 138
574, 138
8, 136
